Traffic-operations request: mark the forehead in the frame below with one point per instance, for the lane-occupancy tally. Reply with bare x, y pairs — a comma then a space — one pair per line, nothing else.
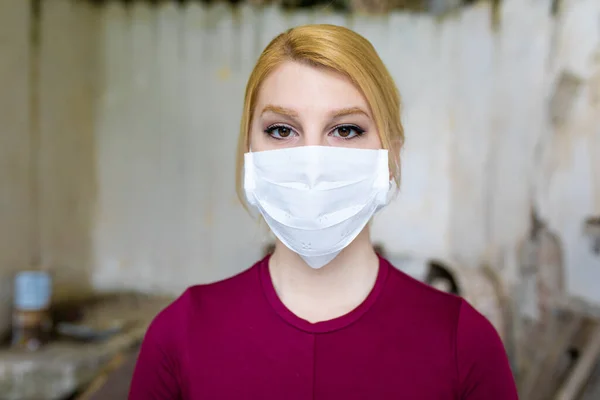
306, 88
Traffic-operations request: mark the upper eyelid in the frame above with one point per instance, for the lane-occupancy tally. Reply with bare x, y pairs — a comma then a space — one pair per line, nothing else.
347, 125
278, 125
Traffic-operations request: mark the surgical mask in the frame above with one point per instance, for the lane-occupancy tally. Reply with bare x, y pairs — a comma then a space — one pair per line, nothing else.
317, 199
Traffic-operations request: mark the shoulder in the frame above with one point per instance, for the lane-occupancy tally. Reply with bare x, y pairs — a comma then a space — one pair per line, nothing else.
483, 368
476, 337
216, 302
162, 362
433, 306
454, 328
436, 311
172, 322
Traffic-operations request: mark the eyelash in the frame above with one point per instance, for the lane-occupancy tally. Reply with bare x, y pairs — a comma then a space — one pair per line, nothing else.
359, 131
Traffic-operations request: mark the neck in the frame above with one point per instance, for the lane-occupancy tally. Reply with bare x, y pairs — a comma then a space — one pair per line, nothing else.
329, 292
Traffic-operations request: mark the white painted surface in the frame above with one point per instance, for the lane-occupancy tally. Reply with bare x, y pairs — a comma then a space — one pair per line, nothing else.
480, 148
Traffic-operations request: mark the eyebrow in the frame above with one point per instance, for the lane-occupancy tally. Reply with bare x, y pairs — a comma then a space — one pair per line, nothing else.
336, 114
279, 110
349, 111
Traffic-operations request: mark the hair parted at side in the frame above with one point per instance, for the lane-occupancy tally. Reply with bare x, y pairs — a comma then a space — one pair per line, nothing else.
341, 50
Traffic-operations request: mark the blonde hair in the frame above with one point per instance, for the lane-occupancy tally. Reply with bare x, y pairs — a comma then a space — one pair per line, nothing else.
337, 49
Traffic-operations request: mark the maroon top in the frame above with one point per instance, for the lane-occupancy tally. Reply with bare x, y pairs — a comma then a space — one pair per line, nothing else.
236, 340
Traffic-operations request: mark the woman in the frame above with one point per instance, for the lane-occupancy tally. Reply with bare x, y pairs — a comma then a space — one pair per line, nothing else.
323, 317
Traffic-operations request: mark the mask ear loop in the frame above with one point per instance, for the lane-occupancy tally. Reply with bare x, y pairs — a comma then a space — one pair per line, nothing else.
249, 179
249, 186
383, 181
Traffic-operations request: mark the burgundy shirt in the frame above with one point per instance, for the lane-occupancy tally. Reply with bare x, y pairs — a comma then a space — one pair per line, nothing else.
236, 340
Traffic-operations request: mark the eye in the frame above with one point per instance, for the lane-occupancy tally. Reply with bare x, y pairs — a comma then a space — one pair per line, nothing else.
279, 132
347, 132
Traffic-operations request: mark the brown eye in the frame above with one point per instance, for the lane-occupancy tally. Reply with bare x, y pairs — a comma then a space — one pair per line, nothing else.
280, 132
284, 132
344, 131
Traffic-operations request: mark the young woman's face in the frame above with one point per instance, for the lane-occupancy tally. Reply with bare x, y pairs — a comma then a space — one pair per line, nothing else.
300, 105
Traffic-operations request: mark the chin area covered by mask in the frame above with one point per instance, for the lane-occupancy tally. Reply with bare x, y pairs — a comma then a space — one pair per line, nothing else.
317, 199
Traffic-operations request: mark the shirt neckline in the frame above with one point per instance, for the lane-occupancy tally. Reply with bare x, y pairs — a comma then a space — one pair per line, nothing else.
323, 326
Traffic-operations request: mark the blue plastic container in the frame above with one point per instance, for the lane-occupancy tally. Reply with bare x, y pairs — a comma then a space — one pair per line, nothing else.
32, 291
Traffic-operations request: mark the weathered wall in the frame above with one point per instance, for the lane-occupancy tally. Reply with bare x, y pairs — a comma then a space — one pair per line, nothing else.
68, 94
568, 180
138, 157
17, 210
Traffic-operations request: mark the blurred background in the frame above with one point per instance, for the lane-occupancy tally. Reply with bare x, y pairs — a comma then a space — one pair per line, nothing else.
118, 127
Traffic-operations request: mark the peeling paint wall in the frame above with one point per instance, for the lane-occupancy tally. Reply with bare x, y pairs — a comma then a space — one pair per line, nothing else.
568, 183
141, 113
70, 78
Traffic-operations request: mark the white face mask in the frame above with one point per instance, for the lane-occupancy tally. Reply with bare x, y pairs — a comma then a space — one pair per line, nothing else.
317, 199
